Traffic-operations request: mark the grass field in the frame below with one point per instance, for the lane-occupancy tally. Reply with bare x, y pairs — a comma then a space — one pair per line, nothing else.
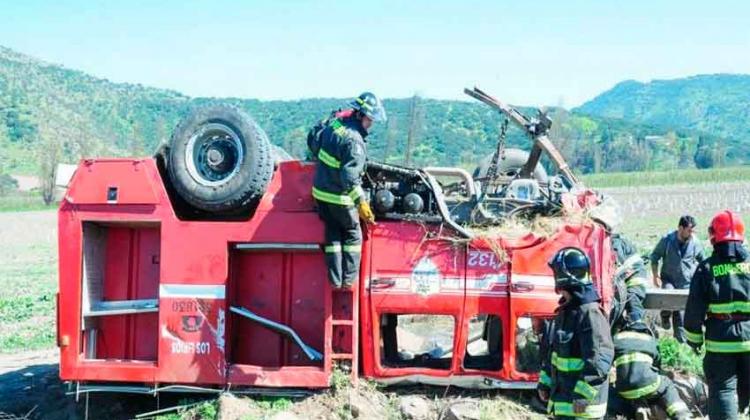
651, 211
24, 201
679, 176
28, 280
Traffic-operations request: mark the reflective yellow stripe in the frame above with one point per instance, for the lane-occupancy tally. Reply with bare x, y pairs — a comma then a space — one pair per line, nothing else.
356, 193
635, 281
354, 249
332, 249
338, 128
642, 391
545, 379
329, 160
675, 407
633, 335
588, 391
326, 197
727, 346
593, 411
634, 357
695, 338
567, 364
363, 103
730, 307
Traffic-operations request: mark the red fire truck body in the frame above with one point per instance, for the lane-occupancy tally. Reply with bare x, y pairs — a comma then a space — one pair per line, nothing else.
149, 299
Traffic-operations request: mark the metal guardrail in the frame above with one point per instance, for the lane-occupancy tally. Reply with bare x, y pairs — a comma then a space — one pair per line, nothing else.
666, 299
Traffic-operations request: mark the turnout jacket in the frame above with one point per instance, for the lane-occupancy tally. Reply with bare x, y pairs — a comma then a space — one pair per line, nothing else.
341, 154
578, 355
637, 363
719, 300
636, 278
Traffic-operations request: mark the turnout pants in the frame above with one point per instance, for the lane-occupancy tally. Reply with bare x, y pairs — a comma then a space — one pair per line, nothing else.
677, 319
634, 304
343, 243
665, 396
728, 377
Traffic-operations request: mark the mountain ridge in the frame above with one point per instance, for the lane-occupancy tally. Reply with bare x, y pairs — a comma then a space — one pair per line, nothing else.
46, 106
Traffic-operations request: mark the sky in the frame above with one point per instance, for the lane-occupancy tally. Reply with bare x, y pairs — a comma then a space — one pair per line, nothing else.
556, 52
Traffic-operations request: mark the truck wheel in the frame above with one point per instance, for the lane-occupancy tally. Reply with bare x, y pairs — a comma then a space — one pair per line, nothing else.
513, 162
220, 159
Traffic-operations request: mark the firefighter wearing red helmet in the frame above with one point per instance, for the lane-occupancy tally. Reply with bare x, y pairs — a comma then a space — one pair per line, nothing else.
577, 351
717, 317
338, 143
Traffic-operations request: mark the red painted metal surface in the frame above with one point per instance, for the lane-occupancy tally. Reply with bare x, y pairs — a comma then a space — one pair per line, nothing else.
140, 250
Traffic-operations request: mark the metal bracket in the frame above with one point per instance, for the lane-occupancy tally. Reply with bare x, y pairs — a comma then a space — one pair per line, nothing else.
282, 329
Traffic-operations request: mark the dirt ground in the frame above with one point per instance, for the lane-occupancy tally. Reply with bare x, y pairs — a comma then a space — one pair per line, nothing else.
30, 389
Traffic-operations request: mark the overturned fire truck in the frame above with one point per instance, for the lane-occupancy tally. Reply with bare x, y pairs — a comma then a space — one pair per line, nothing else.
202, 268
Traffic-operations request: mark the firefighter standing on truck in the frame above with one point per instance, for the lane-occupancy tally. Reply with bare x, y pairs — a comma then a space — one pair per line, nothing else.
577, 356
719, 299
338, 142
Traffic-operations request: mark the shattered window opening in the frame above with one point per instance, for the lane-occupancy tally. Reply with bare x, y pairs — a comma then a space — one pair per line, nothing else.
417, 340
484, 344
529, 330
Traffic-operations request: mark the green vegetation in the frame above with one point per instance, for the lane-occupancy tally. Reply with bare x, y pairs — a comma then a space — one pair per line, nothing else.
715, 104
28, 281
680, 357
201, 410
680, 176
49, 113
23, 201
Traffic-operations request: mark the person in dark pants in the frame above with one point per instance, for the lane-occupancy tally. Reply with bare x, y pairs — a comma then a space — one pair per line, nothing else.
338, 142
578, 350
680, 253
719, 300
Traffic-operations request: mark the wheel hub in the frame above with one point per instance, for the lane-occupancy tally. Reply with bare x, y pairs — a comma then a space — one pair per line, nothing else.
214, 154
215, 157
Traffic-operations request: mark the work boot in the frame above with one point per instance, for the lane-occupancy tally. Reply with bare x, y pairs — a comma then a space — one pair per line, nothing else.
346, 286
666, 320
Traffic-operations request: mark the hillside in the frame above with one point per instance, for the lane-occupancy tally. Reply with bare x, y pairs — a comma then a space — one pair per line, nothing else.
50, 113
717, 104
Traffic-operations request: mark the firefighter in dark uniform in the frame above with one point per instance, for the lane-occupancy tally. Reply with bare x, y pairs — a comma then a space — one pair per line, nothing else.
579, 353
632, 271
639, 381
338, 142
719, 299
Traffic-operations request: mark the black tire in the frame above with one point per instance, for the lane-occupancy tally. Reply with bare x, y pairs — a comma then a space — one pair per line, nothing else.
220, 160
510, 165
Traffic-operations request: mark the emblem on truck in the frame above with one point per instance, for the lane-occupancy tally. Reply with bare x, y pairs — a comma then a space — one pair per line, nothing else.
425, 279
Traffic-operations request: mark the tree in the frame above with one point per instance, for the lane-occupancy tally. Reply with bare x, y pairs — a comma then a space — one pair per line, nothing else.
48, 156
415, 122
8, 184
390, 137
704, 155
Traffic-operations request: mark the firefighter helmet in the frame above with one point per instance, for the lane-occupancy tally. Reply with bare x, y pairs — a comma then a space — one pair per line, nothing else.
570, 267
369, 104
726, 226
